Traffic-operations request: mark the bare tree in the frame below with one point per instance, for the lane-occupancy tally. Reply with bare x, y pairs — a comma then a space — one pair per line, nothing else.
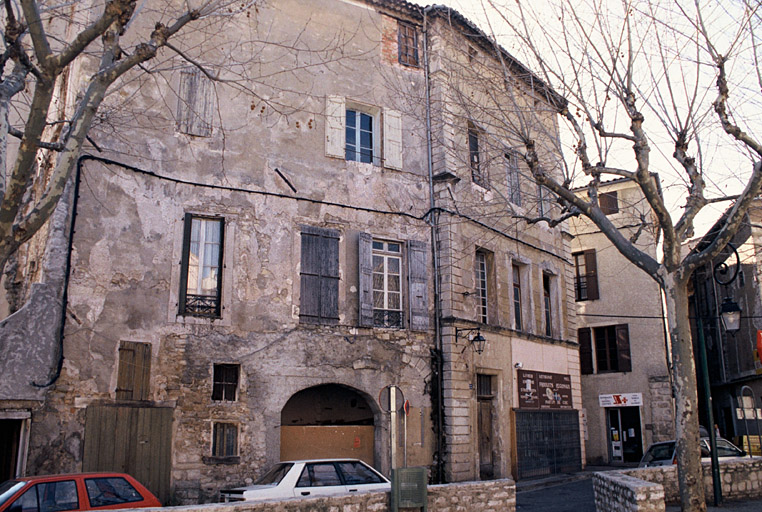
624, 79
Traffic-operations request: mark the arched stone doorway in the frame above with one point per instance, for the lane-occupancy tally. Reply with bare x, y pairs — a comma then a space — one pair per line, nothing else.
327, 421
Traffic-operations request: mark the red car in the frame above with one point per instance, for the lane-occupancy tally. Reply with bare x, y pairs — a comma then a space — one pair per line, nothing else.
81, 491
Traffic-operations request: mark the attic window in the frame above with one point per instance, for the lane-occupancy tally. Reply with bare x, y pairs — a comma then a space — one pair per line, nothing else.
608, 203
407, 44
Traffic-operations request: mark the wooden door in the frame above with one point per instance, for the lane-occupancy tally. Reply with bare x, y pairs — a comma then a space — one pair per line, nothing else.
133, 440
486, 462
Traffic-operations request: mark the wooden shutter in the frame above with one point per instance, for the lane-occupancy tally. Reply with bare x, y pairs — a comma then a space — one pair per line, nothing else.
335, 121
417, 257
623, 348
585, 351
195, 104
133, 379
184, 263
591, 274
608, 202
393, 139
218, 306
365, 264
319, 299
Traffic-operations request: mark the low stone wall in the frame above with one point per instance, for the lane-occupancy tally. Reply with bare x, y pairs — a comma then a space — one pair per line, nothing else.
741, 479
617, 492
472, 496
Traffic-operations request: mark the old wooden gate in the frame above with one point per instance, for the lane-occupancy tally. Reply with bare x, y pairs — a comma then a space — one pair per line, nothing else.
134, 440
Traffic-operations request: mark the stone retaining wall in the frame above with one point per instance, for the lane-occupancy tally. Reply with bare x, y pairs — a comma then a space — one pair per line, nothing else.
472, 496
640, 488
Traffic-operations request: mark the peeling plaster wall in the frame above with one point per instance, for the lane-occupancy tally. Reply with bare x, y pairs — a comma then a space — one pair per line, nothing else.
125, 262
124, 284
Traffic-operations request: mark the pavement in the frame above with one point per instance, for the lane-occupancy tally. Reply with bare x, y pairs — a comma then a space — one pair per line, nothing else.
573, 492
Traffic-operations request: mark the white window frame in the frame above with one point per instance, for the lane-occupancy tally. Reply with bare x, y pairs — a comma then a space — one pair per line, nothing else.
481, 285
387, 255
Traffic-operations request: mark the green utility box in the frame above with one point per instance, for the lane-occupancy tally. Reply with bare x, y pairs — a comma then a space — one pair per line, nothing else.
409, 488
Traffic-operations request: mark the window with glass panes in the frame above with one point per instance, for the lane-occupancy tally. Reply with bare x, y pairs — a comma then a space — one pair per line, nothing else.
481, 286
359, 136
201, 266
512, 175
407, 42
225, 382
387, 284
225, 440
517, 297
547, 304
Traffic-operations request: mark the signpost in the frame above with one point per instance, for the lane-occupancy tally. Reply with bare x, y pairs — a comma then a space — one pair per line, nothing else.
544, 390
392, 400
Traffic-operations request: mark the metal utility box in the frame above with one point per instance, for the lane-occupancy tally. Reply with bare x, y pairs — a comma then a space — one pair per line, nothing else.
409, 488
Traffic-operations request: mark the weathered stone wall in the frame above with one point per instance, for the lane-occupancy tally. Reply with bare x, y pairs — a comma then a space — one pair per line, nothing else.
741, 479
495, 495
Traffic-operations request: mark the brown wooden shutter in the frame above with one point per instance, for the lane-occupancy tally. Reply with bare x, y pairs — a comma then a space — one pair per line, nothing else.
585, 351
591, 275
133, 379
365, 264
184, 263
319, 300
623, 348
608, 203
417, 257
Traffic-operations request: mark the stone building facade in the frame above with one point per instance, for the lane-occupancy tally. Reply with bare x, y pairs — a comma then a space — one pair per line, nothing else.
626, 387
733, 361
246, 276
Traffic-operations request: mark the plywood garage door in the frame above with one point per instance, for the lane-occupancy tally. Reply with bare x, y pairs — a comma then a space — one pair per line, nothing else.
325, 442
133, 440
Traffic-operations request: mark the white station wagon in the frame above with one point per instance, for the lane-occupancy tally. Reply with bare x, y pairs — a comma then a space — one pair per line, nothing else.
308, 478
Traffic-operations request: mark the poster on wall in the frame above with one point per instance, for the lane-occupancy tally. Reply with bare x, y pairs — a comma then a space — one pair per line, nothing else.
544, 390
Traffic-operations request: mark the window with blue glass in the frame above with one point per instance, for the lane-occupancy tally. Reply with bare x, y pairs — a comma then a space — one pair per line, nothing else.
359, 136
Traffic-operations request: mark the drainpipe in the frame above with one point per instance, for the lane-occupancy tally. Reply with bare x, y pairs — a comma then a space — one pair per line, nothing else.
434, 223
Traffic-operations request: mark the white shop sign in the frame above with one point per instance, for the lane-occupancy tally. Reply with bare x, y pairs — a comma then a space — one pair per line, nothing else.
621, 400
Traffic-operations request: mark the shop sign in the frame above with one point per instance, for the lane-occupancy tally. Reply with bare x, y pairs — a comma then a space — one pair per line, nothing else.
621, 400
544, 390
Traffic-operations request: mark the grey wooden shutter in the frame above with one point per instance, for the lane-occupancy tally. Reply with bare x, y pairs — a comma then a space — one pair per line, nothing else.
194, 104
591, 274
365, 264
623, 348
184, 263
417, 257
218, 305
585, 351
319, 298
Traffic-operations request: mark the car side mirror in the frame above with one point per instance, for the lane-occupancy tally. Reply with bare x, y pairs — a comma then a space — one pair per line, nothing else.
743, 453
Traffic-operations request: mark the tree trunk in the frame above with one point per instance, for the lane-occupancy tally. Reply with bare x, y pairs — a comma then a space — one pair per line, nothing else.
689, 472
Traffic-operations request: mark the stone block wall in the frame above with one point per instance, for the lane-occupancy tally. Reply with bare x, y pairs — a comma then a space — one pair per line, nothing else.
640, 488
472, 496
617, 492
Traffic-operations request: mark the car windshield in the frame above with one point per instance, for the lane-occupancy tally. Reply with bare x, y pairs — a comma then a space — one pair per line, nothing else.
275, 475
8, 489
659, 452
727, 449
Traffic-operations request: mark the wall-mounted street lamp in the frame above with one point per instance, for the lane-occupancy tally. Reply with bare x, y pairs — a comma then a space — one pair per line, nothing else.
475, 338
730, 312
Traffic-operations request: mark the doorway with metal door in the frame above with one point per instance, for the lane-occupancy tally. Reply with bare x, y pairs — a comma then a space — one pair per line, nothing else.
624, 434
